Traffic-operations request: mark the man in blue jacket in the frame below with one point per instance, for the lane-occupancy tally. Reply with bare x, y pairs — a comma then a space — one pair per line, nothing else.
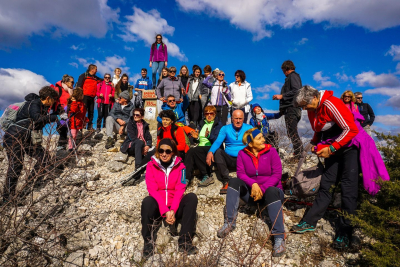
232, 136
178, 109
143, 83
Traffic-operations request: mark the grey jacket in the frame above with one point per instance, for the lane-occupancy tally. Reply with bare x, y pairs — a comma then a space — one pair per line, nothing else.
193, 93
124, 114
171, 87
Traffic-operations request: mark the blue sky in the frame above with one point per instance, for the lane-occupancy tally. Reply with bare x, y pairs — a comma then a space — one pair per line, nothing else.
334, 46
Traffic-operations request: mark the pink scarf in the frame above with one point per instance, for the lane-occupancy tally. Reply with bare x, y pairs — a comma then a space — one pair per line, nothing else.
140, 131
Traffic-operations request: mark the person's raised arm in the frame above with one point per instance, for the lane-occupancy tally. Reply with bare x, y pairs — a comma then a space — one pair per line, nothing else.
207, 83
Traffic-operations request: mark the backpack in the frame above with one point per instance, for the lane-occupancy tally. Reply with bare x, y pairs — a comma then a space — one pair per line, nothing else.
9, 116
306, 183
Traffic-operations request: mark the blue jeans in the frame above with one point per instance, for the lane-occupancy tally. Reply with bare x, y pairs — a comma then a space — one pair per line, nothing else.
157, 67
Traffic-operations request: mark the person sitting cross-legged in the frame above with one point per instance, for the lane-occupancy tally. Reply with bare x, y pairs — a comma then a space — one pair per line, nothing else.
138, 139
118, 118
231, 135
259, 172
206, 134
166, 184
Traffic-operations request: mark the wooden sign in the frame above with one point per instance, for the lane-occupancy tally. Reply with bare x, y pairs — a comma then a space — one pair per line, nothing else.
149, 94
150, 103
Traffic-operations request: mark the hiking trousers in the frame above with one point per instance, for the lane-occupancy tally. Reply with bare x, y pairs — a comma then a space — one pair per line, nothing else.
341, 167
224, 162
270, 204
292, 118
151, 218
196, 157
89, 103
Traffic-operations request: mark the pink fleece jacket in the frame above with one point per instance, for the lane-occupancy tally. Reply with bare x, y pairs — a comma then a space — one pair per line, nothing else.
166, 186
106, 89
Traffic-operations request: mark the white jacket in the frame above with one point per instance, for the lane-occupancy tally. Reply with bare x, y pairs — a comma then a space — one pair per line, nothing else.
241, 95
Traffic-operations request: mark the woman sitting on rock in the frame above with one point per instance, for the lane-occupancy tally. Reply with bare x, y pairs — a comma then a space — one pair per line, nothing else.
196, 156
259, 172
138, 139
166, 183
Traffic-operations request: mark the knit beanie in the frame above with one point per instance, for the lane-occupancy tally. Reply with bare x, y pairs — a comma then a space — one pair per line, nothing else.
125, 95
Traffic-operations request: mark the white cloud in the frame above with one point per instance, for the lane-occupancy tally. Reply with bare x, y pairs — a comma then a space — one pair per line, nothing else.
389, 120
256, 16
15, 84
24, 18
323, 80
108, 65
263, 92
369, 78
394, 102
74, 64
78, 47
394, 93
129, 48
394, 51
302, 41
344, 77
144, 26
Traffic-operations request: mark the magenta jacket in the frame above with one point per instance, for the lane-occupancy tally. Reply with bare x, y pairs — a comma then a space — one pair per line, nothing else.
265, 169
106, 89
166, 186
160, 54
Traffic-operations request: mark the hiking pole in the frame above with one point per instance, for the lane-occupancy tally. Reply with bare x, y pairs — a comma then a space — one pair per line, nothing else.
124, 179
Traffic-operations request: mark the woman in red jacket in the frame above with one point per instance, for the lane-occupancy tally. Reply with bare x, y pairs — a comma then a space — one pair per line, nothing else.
76, 115
333, 124
166, 184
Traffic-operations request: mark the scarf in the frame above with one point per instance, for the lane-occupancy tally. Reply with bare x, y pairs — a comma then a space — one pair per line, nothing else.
67, 89
140, 131
260, 117
123, 87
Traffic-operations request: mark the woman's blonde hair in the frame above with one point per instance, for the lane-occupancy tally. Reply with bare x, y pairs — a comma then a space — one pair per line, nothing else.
165, 68
248, 133
118, 69
353, 98
187, 71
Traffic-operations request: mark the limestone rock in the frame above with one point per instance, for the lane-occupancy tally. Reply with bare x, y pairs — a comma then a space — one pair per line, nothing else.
75, 259
113, 149
115, 166
121, 157
78, 241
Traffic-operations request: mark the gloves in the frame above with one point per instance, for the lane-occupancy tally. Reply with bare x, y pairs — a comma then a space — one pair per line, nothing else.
64, 116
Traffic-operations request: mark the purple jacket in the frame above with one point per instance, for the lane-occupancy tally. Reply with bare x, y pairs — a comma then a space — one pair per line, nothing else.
265, 170
160, 54
372, 165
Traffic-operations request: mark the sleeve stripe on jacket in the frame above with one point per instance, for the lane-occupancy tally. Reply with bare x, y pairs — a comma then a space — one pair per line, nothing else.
338, 116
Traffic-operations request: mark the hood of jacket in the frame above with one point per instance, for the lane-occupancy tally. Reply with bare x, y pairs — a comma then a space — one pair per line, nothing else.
252, 109
31, 97
324, 95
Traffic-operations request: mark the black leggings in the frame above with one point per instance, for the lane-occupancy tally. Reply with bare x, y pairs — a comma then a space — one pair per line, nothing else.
102, 110
89, 103
196, 157
222, 114
151, 218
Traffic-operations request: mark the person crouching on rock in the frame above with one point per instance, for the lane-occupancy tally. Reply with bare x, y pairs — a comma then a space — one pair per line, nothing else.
138, 139
259, 172
166, 184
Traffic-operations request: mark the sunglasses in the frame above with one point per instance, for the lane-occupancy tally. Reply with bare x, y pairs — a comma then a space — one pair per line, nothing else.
359, 98
209, 113
167, 151
72, 82
172, 71
136, 115
159, 38
221, 74
170, 101
347, 96
237, 75
107, 77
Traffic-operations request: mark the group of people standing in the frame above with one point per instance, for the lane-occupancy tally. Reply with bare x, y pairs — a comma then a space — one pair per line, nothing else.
206, 141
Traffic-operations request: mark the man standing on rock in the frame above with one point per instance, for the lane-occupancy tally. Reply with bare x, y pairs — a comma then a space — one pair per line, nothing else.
286, 108
367, 112
231, 135
118, 118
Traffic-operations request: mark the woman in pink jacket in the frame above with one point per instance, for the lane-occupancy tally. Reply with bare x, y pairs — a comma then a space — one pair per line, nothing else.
105, 100
158, 57
166, 183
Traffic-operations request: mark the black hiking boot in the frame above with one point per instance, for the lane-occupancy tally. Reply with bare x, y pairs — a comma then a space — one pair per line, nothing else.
110, 142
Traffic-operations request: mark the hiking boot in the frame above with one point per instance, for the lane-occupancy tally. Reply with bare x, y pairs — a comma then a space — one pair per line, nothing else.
355, 240
148, 250
226, 229
279, 247
303, 227
189, 249
341, 242
224, 189
206, 181
110, 142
